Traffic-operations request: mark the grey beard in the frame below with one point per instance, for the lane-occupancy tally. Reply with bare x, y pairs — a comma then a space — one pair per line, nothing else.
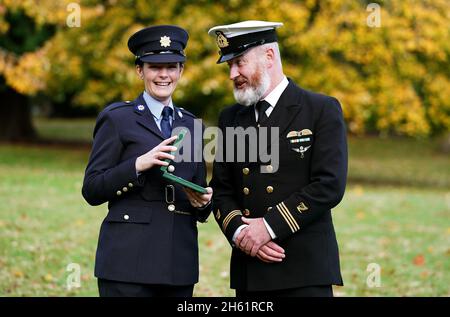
251, 96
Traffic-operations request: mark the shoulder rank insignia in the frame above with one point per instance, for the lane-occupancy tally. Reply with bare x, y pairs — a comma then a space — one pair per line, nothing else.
139, 109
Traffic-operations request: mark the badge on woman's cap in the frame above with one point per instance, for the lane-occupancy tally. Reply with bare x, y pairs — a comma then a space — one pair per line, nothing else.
159, 44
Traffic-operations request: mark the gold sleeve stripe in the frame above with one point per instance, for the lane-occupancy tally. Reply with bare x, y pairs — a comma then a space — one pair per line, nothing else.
289, 215
285, 218
231, 215
228, 218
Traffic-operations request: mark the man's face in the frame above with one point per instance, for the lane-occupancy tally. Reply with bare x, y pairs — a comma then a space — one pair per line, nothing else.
250, 78
161, 79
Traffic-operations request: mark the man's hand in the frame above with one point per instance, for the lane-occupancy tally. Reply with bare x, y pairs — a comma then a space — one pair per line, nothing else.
271, 253
156, 155
253, 237
197, 199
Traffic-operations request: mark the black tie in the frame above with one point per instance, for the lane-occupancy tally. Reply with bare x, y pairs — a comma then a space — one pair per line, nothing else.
262, 106
166, 129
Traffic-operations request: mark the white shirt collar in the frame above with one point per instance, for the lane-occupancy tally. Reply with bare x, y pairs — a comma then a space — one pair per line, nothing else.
275, 94
155, 106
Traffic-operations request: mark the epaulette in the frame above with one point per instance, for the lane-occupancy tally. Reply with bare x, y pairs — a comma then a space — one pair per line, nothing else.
117, 105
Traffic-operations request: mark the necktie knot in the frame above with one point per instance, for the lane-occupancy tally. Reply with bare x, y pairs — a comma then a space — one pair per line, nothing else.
262, 106
166, 112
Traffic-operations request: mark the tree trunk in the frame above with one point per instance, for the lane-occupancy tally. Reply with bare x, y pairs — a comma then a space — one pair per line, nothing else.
15, 117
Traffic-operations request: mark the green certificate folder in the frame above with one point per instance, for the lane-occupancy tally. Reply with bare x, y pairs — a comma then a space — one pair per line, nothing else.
176, 179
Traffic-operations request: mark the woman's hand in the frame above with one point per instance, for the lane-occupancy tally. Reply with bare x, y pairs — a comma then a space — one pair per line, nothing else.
198, 200
156, 155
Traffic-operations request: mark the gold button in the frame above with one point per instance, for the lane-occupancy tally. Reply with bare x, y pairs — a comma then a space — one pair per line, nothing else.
171, 207
269, 189
126, 217
125, 189
246, 212
269, 168
130, 185
269, 209
246, 191
118, 193
245, 170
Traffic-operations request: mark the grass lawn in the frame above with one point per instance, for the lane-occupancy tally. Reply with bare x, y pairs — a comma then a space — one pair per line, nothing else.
64, 129
45, 224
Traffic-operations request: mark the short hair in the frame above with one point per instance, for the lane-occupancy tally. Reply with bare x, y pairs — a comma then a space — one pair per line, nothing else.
276, 49
139, 62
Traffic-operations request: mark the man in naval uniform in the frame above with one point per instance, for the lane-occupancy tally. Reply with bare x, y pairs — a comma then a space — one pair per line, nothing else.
148, 241
277, 217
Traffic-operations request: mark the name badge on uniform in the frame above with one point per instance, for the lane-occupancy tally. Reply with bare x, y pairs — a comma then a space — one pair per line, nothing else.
300, 141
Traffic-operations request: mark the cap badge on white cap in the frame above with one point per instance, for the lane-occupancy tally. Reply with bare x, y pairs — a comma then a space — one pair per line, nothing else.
221, 40
165, 41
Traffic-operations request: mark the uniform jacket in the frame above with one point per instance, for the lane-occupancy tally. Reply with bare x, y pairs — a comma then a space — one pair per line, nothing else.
295, 200
150, 232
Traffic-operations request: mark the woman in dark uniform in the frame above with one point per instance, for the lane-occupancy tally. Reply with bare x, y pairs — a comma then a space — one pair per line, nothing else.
148, 241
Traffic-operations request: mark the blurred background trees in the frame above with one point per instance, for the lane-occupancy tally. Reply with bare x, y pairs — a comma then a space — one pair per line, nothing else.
392, 79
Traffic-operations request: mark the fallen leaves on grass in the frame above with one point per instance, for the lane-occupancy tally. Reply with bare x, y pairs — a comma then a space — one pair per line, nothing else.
419, 260
48, 277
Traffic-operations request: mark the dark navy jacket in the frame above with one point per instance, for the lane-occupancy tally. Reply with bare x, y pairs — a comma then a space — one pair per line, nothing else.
150, 232
295, 200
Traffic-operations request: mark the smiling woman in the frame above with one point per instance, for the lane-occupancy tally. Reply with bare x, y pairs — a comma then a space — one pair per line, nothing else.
148, 241
160, 80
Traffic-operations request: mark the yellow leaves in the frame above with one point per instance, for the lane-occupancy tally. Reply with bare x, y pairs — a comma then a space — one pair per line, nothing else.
18, 274
29, 74
437, 88
392, 79
48, 278
399, 109
42, 11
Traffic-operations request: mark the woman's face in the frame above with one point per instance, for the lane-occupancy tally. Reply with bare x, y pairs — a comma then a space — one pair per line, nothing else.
160, 80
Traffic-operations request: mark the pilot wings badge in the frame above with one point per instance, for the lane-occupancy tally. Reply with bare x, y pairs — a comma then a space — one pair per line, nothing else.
300, 141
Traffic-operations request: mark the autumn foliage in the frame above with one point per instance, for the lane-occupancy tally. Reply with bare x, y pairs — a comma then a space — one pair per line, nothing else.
390, 79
